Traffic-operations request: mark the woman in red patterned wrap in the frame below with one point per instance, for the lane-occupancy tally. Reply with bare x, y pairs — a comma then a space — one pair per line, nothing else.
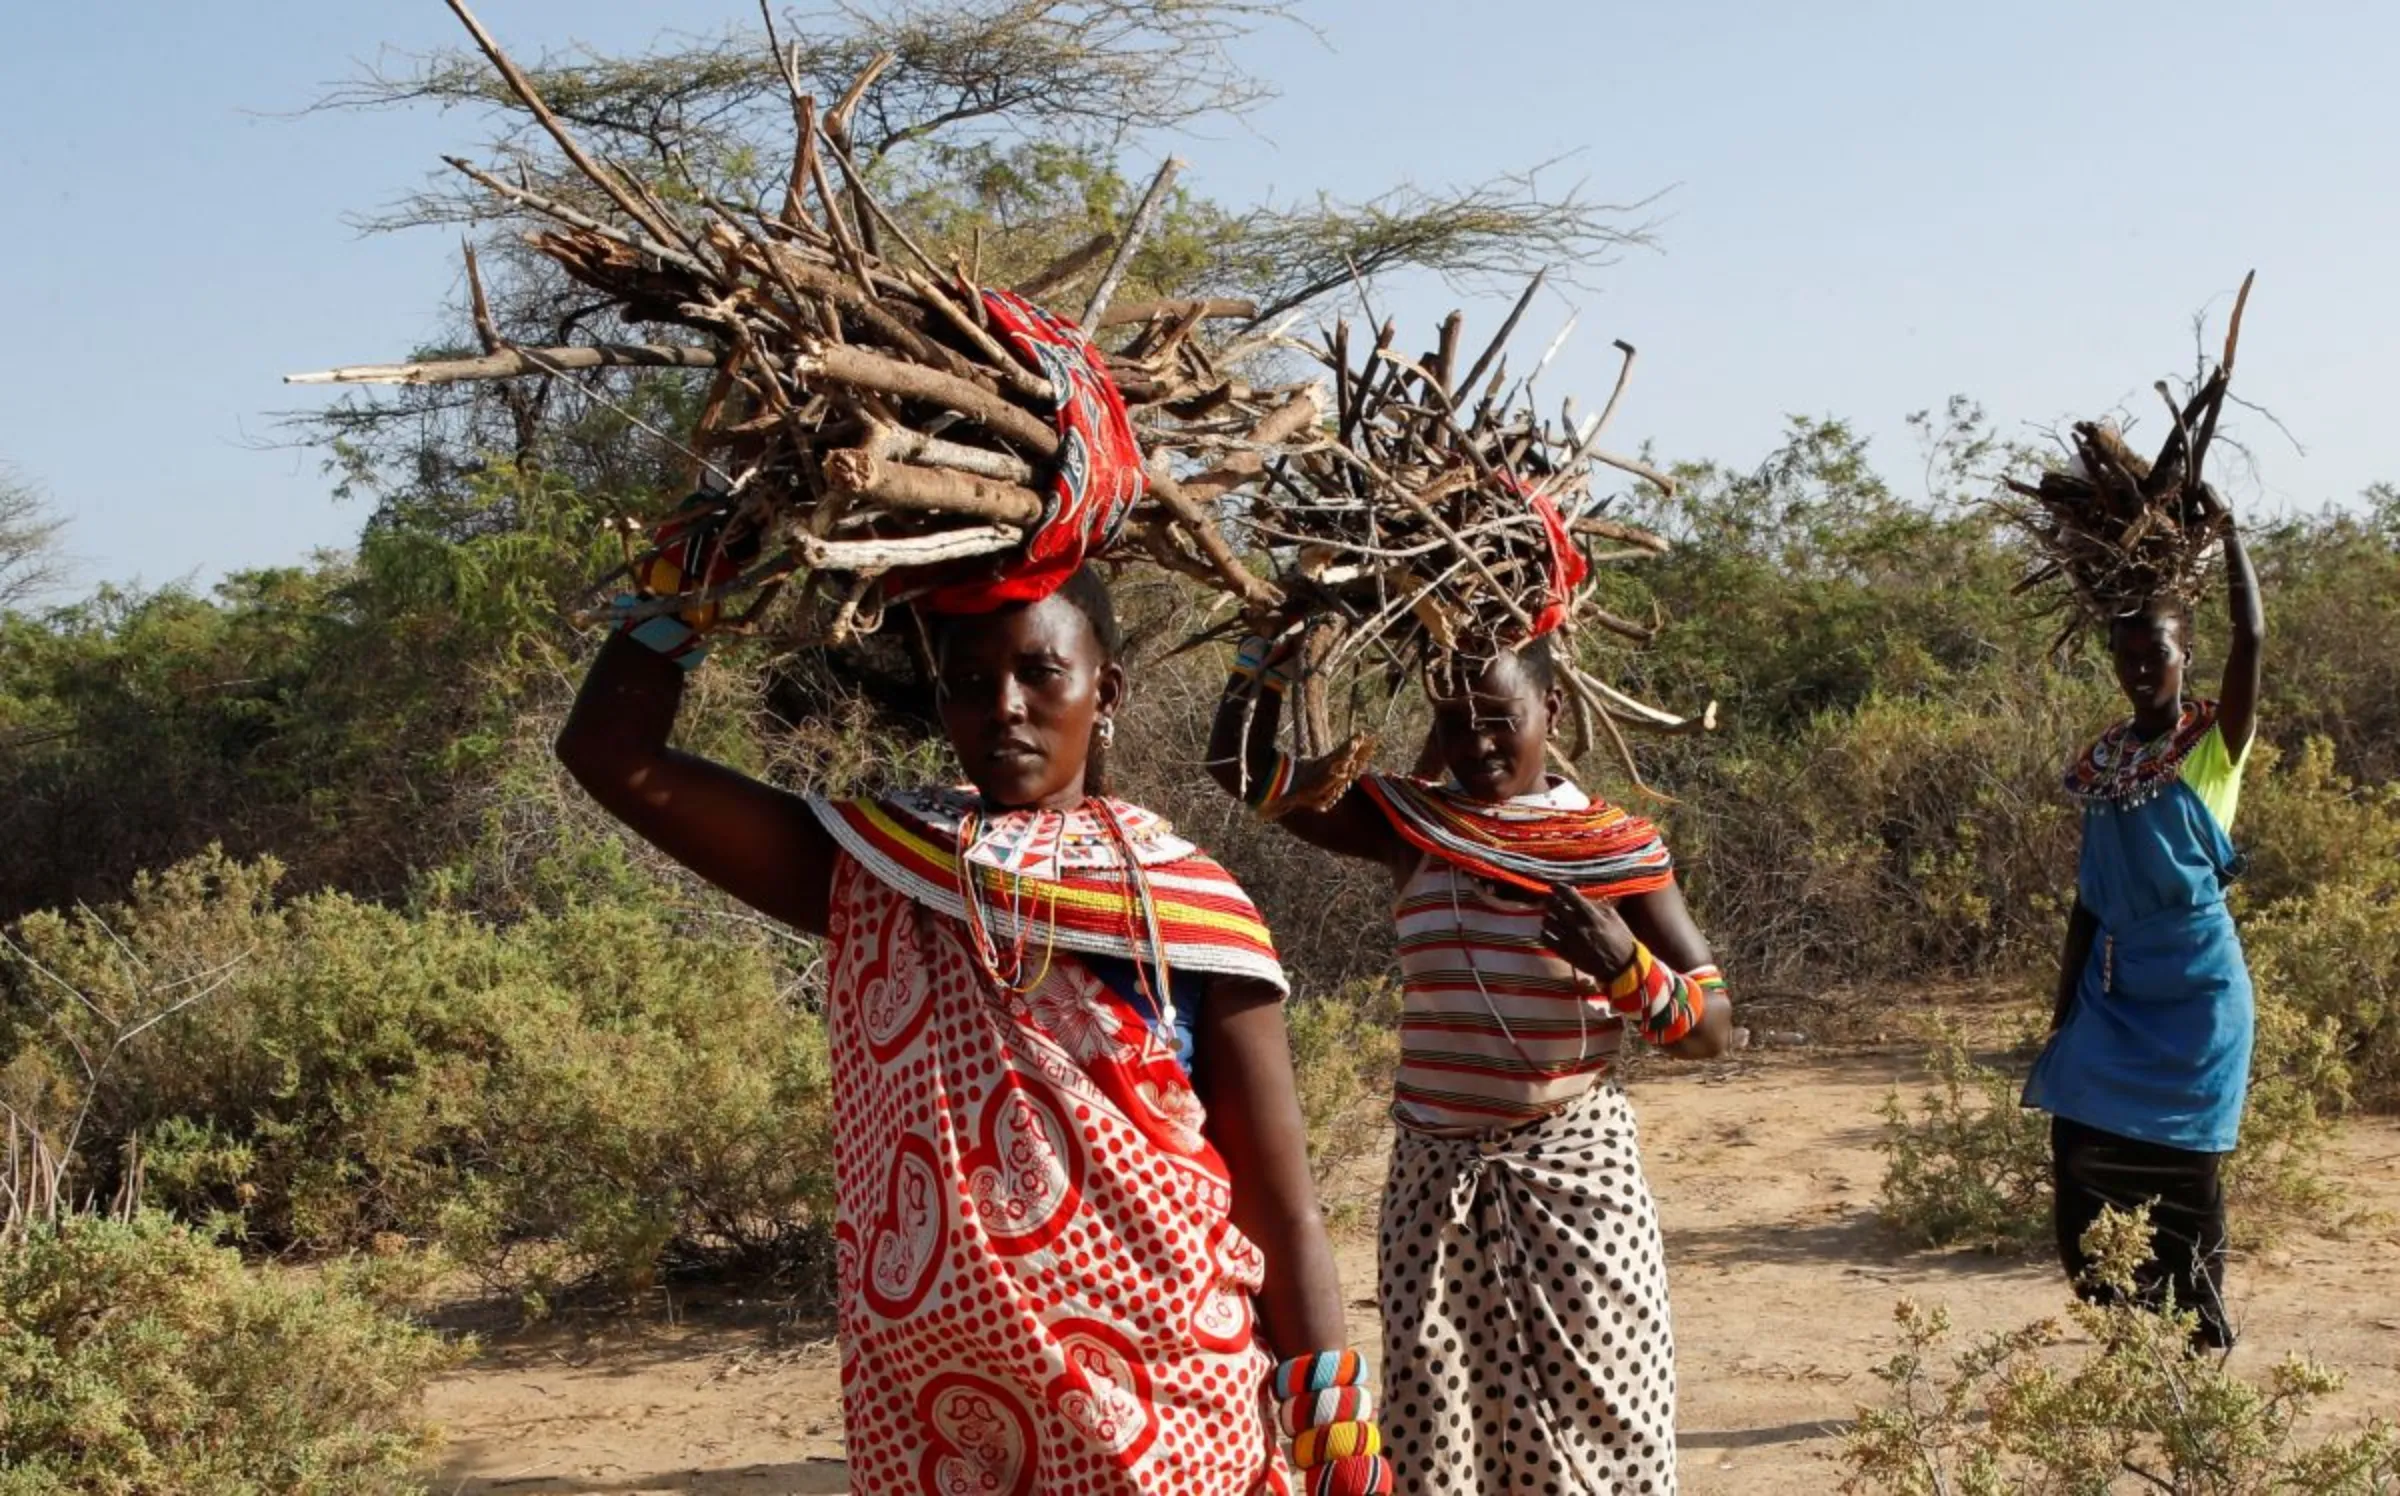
1068, 1150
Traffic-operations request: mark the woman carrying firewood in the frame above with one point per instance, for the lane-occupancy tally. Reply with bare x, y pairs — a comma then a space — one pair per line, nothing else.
1067, 1145
2149, 1055
1527, 1344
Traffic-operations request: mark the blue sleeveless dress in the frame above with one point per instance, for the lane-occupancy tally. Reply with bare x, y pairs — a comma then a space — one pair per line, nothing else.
2157, 1046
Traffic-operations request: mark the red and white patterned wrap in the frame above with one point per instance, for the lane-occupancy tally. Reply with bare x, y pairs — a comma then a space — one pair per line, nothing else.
1099, 475
1041, 1285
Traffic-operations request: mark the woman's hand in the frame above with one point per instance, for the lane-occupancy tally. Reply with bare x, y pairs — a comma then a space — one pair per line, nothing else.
1589, 935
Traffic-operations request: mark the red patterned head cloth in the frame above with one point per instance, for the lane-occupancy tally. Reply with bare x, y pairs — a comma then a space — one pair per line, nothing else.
1099, 477
1567, 566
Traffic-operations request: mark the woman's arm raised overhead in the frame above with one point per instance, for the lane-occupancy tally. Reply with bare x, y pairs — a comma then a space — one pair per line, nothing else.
1243, 759
758, 843
2237, 696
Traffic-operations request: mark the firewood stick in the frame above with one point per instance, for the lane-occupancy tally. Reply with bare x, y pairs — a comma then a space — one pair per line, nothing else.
1286, 421
804, 114
1516, 314
664, 215
860, 368
1445, 355
844, 241
1201, 525
1632, 535
901, 485
1004, 365
1635, 466
1648, 715
804, 155
510, 363
870, 208
912, 550
915, 446
799, 275
1209, 308
837, 130
1137, 229
1338, 353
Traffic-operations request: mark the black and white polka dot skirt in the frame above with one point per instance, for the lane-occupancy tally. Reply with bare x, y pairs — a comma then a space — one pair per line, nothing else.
1526, 1344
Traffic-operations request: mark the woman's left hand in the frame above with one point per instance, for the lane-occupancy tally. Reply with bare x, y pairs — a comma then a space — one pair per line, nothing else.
1589, 935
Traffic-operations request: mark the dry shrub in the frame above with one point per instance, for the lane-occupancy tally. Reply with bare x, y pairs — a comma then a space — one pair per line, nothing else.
1345, 1052
2139, 1410
1969, 1166
598, 1090
1910, 836
138, 1357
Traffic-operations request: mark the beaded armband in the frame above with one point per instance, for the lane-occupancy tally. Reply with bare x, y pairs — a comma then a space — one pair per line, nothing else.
1664, 1003
1329, 1415
667, 634
1250, 665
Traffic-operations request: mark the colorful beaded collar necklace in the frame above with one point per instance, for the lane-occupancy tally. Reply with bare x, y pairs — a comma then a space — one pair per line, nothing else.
2123, 769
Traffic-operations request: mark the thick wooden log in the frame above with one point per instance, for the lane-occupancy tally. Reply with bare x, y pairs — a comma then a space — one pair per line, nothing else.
930, 490
912, 550
859, 368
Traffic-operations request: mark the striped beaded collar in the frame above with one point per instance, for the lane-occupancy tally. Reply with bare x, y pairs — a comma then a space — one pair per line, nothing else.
2123, 769
1533, 842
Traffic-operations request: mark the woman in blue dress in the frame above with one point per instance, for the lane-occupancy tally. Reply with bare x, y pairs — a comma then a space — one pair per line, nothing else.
2149, 1054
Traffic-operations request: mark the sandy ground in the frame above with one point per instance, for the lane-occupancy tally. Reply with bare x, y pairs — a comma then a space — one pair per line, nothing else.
1784, 1284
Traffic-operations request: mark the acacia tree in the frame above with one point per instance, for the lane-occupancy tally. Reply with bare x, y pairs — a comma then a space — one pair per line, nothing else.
31, 563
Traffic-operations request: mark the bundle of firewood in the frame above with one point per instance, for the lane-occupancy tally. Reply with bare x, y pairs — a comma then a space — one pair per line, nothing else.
1437, 520
2114, 533
879, 423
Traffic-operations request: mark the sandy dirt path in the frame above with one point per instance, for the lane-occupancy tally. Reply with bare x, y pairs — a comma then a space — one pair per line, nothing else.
1784, 1284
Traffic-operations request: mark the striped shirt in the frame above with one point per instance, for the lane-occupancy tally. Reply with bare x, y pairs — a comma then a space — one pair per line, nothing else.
1496, 1030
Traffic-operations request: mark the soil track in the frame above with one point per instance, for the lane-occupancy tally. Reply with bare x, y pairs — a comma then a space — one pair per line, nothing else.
1784, 1283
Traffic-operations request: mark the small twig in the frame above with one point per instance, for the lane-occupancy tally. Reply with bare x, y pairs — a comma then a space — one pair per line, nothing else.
523, 88
486, 331
551, 207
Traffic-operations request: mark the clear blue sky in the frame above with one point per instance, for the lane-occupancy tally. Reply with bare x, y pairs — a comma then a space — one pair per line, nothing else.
1874, 205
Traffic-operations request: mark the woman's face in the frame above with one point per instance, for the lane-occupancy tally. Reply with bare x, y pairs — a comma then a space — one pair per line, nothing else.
1493, 727
2149, 652
1021, 691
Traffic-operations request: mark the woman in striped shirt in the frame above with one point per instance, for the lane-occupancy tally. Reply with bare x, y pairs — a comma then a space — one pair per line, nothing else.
1522, 1277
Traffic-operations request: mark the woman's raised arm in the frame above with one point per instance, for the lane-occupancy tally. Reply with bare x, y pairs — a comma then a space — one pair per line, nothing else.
2237, 696
758, 843
1243, 759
